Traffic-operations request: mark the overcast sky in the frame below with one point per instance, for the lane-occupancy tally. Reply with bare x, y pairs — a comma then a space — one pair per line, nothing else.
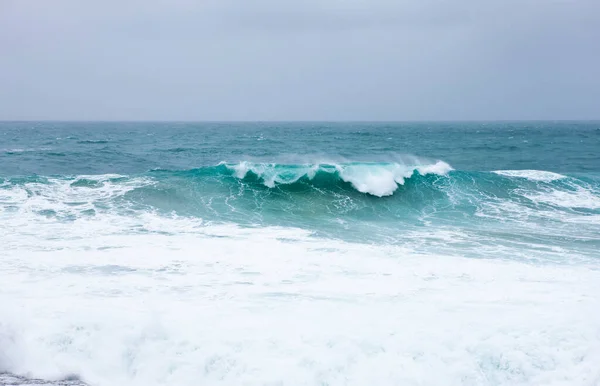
299, 59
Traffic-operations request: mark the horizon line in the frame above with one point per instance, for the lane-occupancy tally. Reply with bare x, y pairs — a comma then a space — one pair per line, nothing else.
291, 121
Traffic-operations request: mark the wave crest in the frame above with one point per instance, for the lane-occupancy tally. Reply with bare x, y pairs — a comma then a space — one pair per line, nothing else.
533, 175
377, 179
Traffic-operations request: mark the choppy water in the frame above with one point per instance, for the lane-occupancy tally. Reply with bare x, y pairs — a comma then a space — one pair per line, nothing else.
300, 253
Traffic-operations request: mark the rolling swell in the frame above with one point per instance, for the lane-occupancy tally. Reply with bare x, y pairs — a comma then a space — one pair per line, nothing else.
268, 192
376, 179
370, 202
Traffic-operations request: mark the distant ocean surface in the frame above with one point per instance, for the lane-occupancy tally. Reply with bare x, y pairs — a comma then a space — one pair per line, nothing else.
300, 253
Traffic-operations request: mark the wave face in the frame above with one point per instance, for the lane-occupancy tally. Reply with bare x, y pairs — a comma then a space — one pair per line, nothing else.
299, 254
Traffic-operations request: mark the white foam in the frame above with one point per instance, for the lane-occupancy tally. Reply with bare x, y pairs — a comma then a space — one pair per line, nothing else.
534, 175
241, 169
579, 198
383, 179
184, 304
153, 300
440, 168
378, 180
63, 197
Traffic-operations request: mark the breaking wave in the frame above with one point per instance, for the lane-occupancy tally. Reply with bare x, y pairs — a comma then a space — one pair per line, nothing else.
377, 179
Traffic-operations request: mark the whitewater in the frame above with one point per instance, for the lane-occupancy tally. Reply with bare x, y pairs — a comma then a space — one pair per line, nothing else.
299, 253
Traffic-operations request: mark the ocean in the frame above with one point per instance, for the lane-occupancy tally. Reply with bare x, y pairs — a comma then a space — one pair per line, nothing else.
175, 253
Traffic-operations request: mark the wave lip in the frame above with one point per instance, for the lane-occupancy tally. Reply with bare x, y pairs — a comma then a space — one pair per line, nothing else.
377, 179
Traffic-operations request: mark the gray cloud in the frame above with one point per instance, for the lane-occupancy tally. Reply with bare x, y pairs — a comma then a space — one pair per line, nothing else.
315, 59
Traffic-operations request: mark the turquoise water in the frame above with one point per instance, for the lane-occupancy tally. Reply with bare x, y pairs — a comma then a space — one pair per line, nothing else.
300, 253
501, 183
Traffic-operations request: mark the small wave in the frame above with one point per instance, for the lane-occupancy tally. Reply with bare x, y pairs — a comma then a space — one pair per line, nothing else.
179, 150
25, 150
377, 179
93, 141
572, 194
533, 175
578, 199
